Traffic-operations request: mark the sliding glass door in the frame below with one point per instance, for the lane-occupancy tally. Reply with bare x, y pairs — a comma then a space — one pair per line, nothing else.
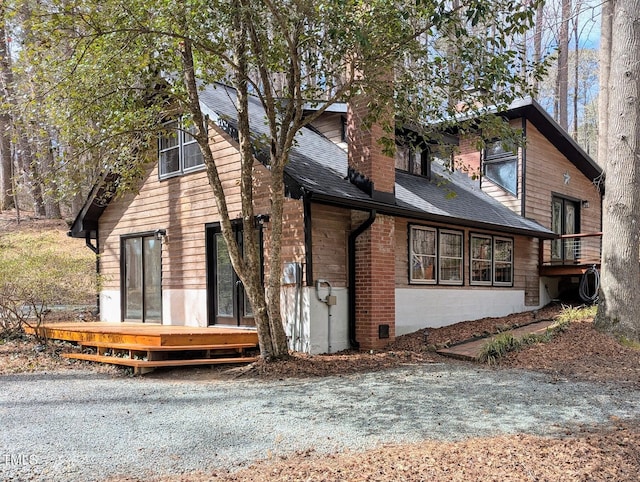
141, 274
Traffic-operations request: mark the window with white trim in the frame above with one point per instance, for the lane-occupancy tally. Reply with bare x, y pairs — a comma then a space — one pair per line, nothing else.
450, 257
423, 255
500, 165
503, 261
481, 259
178, 150
436, 256
491, 260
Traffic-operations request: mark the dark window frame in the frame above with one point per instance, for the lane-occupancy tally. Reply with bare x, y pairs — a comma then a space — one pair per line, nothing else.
123, 275
503, 156
494, 239
211, 230
438, 257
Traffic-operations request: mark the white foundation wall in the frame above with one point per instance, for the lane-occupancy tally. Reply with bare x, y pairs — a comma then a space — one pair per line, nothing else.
184, 307
433, 307
306, 320
179, 307
110, 306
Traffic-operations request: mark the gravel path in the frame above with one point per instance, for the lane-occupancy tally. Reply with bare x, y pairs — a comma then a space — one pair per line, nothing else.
82, 426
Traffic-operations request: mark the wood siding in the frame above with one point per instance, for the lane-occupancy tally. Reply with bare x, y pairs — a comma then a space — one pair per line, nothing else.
182, 206
546, 168
525, 267
330, 125
330, 235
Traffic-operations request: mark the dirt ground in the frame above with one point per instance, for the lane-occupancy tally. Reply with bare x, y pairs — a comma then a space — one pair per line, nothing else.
609, 452
580, 353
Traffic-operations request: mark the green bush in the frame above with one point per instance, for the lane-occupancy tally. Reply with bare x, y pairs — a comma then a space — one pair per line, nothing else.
39, 270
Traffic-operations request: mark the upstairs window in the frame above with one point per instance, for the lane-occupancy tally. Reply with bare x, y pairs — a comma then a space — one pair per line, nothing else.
413, 160
178, 151
501, 165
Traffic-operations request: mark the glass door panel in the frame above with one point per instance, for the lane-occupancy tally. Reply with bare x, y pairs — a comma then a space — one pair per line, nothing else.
224, 286
556, 227
142, 279
152, 279
228, 302
133, 279
569, 228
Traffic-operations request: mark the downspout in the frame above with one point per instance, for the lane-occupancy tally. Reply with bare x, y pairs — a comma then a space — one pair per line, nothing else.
353, 236
306, 206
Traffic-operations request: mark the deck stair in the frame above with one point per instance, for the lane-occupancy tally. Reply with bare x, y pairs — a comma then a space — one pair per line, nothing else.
146, 347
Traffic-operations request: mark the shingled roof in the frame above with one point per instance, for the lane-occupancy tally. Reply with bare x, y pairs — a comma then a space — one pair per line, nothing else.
317, 169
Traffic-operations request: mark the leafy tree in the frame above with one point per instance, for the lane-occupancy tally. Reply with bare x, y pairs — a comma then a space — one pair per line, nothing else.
619, 307
111, 71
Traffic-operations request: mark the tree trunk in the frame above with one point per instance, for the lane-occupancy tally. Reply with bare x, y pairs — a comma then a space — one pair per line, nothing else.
274, 282
537, 40
6, 171
29, 167
563, 66
576, 69
619, 308
603, 91
6, 163
52, 194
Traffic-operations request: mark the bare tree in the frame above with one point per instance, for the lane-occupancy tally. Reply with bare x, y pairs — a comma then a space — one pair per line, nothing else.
6, 171
619, 308
562, 79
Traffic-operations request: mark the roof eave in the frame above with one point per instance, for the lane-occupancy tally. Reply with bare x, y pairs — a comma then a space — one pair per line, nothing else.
383, 208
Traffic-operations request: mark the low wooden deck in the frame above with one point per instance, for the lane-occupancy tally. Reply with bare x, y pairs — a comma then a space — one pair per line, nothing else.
147, 346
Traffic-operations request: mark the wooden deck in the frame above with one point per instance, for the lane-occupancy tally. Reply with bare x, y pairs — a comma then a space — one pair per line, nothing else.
147, 346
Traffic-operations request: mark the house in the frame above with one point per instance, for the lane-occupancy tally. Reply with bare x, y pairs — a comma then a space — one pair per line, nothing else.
373, 247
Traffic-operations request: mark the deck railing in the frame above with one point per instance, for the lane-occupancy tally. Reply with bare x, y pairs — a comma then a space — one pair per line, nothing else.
571, 250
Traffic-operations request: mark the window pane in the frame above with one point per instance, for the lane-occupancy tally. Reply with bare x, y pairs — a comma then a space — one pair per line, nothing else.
504, 250
152, 279
503, 266
169, 138
133, 278
503, 273
500, 148
169, 161
450, 269
224, 278
481, 271
450, 257
481, 248
402, 158
423, 268
424, 241
481, 257
450, 245
504, 173
423, 254
192, 155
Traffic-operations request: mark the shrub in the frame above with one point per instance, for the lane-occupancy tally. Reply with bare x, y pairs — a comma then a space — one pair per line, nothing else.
39, 270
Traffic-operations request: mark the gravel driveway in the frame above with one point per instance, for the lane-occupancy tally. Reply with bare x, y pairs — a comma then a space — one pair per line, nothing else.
79, 426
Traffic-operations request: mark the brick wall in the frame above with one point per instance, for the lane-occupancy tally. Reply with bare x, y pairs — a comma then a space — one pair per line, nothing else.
467, 159
365, 152
375, 281
375, 248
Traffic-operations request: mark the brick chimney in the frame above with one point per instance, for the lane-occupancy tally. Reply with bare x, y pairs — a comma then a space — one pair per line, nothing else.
367, 161
374, 172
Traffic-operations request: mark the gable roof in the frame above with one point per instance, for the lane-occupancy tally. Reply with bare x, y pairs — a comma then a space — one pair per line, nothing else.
317, 169
560, 138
